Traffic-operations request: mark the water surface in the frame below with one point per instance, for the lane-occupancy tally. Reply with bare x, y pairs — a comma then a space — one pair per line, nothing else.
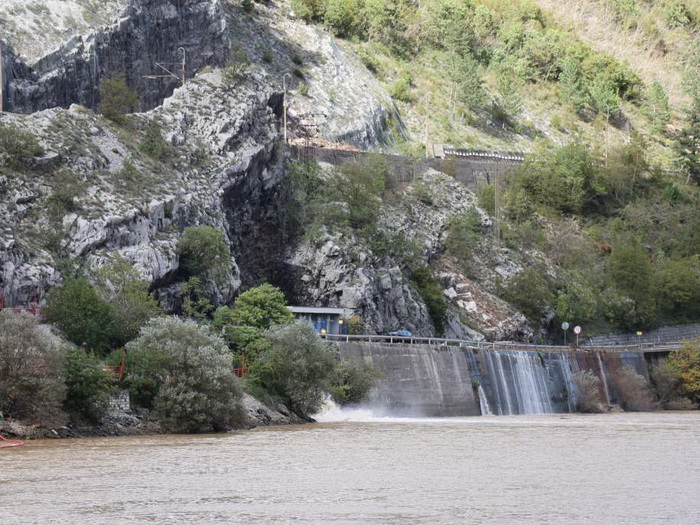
613, 468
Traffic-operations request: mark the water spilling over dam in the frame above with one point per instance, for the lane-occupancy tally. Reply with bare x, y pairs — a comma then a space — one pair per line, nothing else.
427, 380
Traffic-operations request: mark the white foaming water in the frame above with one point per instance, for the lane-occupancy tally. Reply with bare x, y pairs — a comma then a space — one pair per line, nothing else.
331, 413
484, 403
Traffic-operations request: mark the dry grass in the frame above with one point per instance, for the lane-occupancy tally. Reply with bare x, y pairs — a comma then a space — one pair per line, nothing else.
656, 58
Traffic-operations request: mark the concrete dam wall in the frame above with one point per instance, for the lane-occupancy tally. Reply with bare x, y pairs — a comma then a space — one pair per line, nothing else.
423, 380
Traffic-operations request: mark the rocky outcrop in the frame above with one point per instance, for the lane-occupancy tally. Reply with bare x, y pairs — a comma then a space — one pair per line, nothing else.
222, 141
341, 270
148, 32
331, 94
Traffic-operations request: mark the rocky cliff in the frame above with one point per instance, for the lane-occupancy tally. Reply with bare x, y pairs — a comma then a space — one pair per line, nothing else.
96, 194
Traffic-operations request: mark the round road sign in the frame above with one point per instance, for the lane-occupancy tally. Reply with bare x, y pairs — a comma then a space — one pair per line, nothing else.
577, 330
565, 326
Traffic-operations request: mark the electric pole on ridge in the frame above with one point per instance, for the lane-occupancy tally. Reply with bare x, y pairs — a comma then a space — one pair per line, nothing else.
2, 82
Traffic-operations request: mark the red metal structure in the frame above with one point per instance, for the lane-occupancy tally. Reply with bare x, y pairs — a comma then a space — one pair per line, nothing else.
242, 371
117, 371
32, 308
7, 443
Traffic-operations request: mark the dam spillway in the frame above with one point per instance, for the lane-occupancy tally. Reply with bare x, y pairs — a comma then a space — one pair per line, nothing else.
432, 381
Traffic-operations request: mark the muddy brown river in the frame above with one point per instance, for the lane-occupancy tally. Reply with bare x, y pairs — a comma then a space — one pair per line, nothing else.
613, 468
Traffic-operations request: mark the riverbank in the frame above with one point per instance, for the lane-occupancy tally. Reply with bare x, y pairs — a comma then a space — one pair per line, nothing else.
127, 423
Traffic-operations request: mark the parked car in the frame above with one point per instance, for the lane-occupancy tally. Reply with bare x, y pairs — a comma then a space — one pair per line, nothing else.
400, 333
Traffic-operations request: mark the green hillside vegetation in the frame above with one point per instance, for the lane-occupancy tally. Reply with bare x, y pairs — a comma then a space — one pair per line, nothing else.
498, 74
624, 237
608, 193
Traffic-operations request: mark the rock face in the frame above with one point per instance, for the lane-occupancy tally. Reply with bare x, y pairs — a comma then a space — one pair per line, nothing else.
148, 32
226, 146
97, 193
331, 94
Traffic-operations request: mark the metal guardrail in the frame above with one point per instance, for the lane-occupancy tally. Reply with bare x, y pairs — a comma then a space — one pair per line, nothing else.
508, 156
496, 345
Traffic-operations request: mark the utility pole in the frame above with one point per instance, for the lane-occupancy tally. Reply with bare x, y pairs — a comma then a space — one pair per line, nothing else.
2, 82
284, 104
182, 78
184, 64
427, 136
497, 206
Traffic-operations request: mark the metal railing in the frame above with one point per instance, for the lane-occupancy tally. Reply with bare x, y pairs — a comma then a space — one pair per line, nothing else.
496, 345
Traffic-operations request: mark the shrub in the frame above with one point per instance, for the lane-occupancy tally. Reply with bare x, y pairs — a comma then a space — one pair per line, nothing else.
666, 379
81, 314
195, 302
31, 371
153, 144
116, 99
423, 194
464, 234
632, 297
633, 390
17, 146
401, 89
87, 386
431, 292
351, 384
486, 196
296, 366
687, 361
185, 374
532, 292
562, 179
236, 66
587, 392
203, 252
356, 325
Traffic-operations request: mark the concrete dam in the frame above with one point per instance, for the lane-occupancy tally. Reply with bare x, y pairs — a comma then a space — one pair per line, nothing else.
432, 381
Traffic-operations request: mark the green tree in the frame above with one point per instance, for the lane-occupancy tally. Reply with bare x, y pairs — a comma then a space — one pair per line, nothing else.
31, 371
688, 143
577, 302
204, 253
532, 292
631, 299
116, 99
431, 292
122, 287
185, 374
81, 314
296, 367
466, 74
678, 286
87, 386
657, 108
261, 307
195, 302
572, 86
351, 383
562, 179
153, 144
605, 97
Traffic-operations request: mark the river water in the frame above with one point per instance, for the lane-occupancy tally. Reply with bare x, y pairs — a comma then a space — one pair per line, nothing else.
612, 468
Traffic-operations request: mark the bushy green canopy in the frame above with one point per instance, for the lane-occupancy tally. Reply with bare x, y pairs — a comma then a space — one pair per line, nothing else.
185, 373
